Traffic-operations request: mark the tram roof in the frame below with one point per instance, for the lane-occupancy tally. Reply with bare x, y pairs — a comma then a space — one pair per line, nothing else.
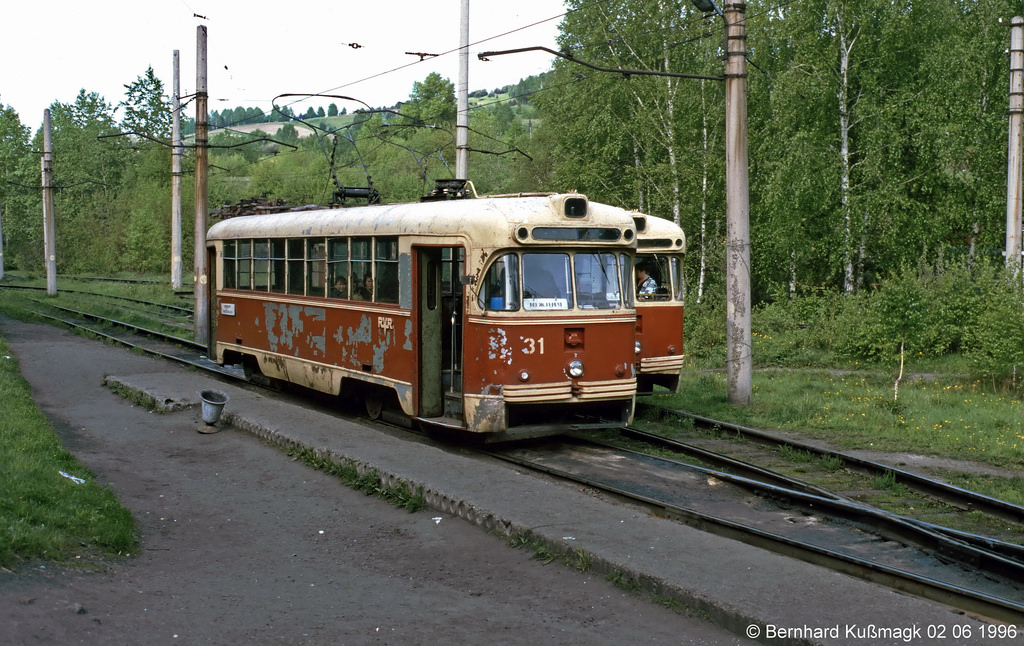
658, 234
483, 216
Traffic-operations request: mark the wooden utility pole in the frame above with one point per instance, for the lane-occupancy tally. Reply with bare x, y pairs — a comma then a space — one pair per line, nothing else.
1013, 173
49, 242
462, 114
176, 151
739, 361
201, 278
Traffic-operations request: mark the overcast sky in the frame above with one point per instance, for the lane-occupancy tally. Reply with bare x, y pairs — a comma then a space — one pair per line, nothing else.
51, 50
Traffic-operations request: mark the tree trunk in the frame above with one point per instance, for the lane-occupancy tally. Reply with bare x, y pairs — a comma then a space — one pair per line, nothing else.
845, 48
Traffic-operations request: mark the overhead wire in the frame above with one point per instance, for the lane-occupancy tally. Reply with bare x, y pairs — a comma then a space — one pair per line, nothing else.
421, 155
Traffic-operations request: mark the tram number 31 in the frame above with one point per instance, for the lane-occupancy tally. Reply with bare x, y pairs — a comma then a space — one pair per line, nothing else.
533, 346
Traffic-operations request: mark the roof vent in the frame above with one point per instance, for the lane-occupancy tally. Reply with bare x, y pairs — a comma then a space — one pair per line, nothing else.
575, 207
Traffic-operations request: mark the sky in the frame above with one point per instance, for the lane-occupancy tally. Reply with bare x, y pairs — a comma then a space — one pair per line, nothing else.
51, 50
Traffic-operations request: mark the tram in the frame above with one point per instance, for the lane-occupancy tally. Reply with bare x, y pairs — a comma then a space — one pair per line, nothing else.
501, 316
661, 246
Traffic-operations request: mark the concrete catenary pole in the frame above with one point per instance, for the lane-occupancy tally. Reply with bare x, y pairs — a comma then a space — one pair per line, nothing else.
201, 278
739, 365
1013, 173
176, 151
462, 115
1, 242
49, 242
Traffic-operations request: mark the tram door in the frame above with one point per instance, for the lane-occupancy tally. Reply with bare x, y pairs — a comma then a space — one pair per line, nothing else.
440, 331
211, 306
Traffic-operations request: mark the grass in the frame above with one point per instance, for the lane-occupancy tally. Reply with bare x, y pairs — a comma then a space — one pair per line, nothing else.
942, 417
92, 296
368, 481
45, 515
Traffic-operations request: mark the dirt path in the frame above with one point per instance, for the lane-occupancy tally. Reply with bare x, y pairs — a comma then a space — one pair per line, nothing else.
242, 545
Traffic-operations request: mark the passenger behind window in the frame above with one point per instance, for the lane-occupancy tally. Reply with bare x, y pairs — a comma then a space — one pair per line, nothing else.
645, 283
364, 291
340, 289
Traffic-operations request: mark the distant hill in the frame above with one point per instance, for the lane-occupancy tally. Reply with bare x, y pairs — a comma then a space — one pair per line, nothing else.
246, 120
271, 127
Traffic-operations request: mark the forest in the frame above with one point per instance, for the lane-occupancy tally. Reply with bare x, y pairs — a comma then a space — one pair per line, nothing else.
878, 137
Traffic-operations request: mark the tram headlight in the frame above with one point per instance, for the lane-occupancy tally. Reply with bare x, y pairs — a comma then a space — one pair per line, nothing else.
575, 369
638, 348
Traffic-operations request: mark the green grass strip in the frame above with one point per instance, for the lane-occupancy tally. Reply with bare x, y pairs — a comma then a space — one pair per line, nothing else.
45, 515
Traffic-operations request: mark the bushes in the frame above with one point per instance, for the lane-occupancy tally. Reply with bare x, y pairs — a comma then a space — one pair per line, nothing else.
996, 341
949, 311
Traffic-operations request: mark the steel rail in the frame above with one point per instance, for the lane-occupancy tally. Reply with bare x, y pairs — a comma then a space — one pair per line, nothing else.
890, 524
197, 361
1011, 551
922, 586
938, 489
168, 306
170, 338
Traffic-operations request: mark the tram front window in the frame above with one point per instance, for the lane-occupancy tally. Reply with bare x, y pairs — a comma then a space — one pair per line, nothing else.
550, 281
547, 281
500, 289
597, 281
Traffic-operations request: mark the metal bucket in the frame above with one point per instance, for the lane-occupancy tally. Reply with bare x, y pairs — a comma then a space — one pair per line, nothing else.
213, 404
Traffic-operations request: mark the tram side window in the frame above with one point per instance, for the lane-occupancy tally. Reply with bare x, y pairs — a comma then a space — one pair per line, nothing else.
385, 258
597, 281
244, 264
500, 290
626, 279
547, 281
337, 267
277, 266
260, 265
664, 278
296, 266
676, 271
228, 270
361, 287
316, 268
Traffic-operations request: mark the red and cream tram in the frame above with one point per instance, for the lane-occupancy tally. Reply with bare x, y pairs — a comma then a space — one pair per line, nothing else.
506, 316
661, 246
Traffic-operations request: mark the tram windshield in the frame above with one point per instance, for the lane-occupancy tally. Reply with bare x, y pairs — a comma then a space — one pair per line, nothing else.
556, 281
547, 281
662, 278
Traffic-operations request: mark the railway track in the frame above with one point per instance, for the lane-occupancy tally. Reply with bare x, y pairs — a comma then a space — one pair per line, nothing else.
845, 537
152, 342
761, 507
185, 311
852, 477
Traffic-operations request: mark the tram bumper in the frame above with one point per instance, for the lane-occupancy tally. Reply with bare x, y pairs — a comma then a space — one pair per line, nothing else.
537, 410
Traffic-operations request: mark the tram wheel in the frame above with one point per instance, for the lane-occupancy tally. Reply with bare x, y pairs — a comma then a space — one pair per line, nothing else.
374, 405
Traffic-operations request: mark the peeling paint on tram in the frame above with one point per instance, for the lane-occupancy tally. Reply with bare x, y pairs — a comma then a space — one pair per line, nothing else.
286, 323
408, 335
497, 346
